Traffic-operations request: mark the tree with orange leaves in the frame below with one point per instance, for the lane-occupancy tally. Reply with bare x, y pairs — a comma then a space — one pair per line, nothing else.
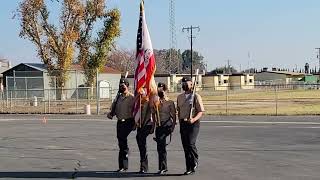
57, 45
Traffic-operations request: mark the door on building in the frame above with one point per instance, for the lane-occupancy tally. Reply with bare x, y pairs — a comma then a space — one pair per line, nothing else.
104, 89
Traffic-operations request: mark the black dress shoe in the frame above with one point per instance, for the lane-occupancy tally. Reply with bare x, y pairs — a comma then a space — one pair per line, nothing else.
142, 171
190, 172
122, 170
163, 171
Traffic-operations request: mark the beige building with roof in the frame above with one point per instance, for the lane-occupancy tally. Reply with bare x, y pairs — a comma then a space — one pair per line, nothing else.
222, 82
277, 77
219, 82
173, 81
241, 81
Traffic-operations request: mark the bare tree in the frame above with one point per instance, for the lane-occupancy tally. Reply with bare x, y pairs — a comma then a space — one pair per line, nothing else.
122, 60
125, 60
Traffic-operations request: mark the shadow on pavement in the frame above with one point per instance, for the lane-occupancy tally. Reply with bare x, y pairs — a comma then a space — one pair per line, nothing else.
78, 174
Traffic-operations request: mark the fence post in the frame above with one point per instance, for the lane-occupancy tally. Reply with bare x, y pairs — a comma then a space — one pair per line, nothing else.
14, 83
276, 99
88, 94
49, 100
97, 92
77, 92
7, 99
10, 101
44, 102
26, 88
227, 99
7, 94
2, 102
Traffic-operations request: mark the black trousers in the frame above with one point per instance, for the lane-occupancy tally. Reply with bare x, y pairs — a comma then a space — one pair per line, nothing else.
189, 134
123, 130
142, 134
161, 136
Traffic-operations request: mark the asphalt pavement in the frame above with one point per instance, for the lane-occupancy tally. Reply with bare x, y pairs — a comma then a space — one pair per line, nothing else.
230, 148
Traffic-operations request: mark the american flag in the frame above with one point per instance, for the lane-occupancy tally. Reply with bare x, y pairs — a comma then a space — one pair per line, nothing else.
144, 82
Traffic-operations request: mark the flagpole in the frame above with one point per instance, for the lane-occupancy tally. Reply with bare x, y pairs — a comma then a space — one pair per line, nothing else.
140, 123
144, 76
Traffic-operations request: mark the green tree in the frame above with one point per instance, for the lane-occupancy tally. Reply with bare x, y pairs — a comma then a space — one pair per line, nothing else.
197, 61
93, 52
223, 70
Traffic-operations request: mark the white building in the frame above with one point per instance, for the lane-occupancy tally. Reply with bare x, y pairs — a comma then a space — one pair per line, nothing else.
32, 79
4, 65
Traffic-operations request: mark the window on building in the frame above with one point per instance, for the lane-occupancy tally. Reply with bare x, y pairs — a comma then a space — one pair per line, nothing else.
250, 80
225, 81
219, 82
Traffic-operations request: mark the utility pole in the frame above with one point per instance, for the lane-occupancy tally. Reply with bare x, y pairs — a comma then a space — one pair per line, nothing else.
318, 57
229, 72
190, 29
249, 62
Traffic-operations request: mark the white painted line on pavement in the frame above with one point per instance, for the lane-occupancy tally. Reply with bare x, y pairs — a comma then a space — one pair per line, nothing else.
263, 122
203, 121
48, 119
266, 126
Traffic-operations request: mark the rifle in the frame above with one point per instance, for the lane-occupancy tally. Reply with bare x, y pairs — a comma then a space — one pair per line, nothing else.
113, 106
193, 93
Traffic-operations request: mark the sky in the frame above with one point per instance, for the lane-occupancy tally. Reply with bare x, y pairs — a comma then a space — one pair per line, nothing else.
249, 33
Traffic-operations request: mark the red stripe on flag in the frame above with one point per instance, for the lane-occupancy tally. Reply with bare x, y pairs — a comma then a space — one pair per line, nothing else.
146, 65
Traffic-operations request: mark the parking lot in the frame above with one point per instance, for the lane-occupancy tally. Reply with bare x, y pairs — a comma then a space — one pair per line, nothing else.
230, 147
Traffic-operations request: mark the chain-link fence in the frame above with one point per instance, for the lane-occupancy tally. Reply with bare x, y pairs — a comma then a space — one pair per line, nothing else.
38, 91
82, 100
281, 99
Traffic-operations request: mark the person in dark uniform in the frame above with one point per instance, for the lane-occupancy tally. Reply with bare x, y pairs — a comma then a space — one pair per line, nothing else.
164, 125
189, 127
122, 108
144, 128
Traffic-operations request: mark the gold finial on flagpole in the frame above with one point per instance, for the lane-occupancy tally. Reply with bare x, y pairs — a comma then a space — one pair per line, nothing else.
142, 5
